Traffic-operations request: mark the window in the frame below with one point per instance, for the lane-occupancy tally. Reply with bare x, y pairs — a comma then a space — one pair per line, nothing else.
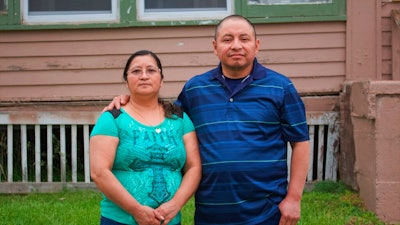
183, 10
286, 2
294, 10
7, 15
50, 14
3, 6
71, 11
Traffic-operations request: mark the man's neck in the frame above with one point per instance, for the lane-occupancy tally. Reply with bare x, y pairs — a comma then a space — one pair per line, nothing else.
236, 73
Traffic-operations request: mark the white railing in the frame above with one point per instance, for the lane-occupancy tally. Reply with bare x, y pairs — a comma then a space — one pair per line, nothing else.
324, 146
53, 128
38, 143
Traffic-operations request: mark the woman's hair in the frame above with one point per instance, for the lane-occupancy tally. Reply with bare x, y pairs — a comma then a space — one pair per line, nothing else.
169, 108
142, 53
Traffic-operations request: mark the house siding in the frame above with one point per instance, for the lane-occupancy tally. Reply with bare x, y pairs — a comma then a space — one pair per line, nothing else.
87, 64
387, 21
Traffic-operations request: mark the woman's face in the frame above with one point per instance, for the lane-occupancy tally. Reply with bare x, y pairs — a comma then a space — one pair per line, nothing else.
144, 76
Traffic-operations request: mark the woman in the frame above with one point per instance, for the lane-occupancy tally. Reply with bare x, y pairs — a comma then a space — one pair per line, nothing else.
144, 158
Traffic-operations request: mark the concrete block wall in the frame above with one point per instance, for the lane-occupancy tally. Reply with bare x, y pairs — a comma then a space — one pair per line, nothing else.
375, 117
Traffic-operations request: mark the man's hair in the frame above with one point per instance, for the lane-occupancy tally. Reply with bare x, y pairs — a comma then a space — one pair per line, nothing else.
234, 16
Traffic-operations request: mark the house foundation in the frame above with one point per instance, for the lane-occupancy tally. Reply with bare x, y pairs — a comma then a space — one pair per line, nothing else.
375, 118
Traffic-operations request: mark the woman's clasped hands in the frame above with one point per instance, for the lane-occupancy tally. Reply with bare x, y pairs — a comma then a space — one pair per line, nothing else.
149, 216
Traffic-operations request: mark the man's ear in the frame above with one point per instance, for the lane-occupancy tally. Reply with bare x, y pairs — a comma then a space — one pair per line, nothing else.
257, 45
214, 44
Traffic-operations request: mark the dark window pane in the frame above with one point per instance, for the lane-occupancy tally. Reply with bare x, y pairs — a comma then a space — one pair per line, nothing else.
69, 5
3, 5
283, 2
187, 4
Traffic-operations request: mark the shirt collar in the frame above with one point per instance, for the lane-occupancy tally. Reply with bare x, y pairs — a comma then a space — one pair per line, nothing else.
256, 72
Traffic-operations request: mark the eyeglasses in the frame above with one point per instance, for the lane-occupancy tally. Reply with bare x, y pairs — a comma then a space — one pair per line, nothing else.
150, 71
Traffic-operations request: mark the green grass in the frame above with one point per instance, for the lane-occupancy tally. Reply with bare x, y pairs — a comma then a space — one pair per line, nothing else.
328, 203
334, 203
79, 207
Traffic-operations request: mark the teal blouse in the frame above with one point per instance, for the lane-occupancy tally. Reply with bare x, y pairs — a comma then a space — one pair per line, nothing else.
148, 161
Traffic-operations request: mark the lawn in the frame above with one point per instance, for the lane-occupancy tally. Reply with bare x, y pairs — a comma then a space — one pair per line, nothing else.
328, 203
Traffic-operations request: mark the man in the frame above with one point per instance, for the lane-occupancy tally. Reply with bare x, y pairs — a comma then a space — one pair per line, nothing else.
244, 115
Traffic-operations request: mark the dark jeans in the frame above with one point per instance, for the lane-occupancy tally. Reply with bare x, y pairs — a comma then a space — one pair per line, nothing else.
106, 221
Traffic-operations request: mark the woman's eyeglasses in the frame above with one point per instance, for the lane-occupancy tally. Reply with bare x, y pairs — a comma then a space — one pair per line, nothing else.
150, 71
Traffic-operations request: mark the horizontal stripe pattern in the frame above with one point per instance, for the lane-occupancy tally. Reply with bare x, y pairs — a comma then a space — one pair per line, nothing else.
243, 137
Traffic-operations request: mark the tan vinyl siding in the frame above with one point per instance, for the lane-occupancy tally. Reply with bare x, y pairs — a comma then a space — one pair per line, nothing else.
311, 54
387, 41
87, 64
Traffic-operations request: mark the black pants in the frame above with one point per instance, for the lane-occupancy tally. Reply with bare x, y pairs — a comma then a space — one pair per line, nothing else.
106, 221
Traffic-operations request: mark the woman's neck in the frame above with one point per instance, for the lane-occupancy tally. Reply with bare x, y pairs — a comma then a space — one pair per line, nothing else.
148, 113
144, 103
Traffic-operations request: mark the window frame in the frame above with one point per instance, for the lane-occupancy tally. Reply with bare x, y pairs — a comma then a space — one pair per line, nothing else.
10, 16
295, 12
70, 18
180, 15
128, 16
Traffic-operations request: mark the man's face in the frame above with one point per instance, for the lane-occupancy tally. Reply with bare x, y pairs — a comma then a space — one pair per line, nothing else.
236, 47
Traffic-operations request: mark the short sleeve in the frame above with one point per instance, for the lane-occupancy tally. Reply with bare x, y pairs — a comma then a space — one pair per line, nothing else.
293, 117
187, 124
105, 125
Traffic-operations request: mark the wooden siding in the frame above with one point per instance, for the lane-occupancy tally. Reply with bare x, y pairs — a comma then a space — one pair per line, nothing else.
387, 39
396, 44
87, 64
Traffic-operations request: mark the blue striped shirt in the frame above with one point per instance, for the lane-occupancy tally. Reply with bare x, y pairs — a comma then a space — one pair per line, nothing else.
243, 135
